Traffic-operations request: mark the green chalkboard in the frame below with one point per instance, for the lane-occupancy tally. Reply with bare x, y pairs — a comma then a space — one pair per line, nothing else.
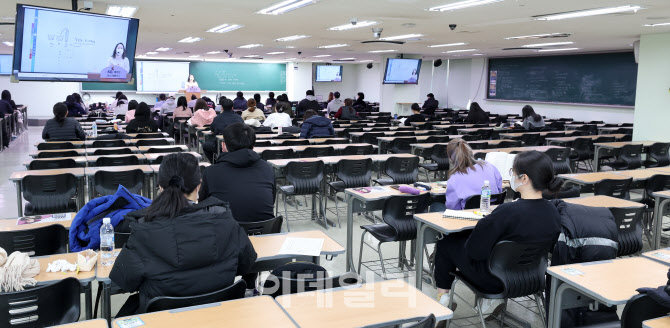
239, 76
603, 79
110, 86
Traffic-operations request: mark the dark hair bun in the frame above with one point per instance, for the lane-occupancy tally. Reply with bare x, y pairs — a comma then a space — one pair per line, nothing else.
555, 184
176, 181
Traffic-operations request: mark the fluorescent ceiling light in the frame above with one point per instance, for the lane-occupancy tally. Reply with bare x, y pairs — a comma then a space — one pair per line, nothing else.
320, 56
456, 51
548, 44
213, 52
589, 12
347, 58
400, 37
380, 51
317, 61
352, 26
152, 53
163, 49
659, 24
292, 38
193, 56
276, 52
478, 54
284, 6
123, 11
249, 46
366, 61
289, 59
224, 28
447, 45
562, 49
462, 4
190, 39
251, 56
334, 46
289, 47
8, 43
539, 36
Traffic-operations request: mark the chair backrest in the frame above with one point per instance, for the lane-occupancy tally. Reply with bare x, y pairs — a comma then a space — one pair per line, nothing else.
629, 225
355, 173
317, 152
404, 134
149, 135
300, 142
305, 177
232, 292
371, 137
108, 143
560, 158
263, 227
659, 152
602, 139
591, 129
154, 142
632, 155
530, 139
357, 150
473, 201
485, 134
55, 145
438, 154
52, 164
470, 137
521, 267
120, 151
47, 240
106, 182
336, 141
298, 277
624, 130
478, 145
399, 213
49, 193
263, 143
164, 150
427, 322
656, 183
403, 170
437, 139
509, 144
52, 154
641, 308
270, 154
618, 188
117, 161
42, 306
402, 145
583, 147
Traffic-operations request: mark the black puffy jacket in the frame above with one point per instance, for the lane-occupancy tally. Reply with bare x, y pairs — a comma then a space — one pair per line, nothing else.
201, 250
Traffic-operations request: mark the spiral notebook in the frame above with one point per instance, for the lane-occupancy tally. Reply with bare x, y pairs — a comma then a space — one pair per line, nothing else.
461, 215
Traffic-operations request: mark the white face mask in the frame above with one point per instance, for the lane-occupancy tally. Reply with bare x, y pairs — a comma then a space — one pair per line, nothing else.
514, 184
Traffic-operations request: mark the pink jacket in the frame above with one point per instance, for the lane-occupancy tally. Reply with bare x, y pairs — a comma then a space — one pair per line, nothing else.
203, 117
130, 115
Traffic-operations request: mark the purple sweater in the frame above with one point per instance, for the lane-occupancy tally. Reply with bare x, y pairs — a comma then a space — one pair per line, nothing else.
461, 186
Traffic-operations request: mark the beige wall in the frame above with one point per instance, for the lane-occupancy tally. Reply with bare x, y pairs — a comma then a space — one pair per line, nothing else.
652, 104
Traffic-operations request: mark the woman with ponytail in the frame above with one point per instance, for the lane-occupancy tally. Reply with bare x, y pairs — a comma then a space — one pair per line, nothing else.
529, 219
61, 127
177, 246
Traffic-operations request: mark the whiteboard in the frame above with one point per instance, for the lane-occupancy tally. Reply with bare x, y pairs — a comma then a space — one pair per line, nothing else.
160, 76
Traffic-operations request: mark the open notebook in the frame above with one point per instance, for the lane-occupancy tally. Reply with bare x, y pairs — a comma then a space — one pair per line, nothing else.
461, 215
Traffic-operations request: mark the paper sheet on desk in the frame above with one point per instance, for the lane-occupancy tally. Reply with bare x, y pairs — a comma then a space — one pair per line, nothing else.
44, 218
302, 246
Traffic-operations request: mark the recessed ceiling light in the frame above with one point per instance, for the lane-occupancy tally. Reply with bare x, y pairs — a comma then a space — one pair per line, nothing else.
456, 51
289, 59
251, 56
151, 53
284, 6
317, 61
276, 52
366, 61
334, 46
462, 4
400, 37
352, 26
290, 47
380, 51
193, 56
589, 12
292, 38
163, 49
654, 25
347, 58
8, 43
551, 44
540, 36
213, 52
478, 54
123, 11
249, 46
447, 45
190, 39
320, 56
562, 49
224, 28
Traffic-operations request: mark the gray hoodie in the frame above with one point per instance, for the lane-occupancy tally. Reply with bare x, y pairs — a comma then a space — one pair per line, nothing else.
169, 106
334, 105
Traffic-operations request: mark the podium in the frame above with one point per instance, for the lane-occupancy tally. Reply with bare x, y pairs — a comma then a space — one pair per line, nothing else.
189, 94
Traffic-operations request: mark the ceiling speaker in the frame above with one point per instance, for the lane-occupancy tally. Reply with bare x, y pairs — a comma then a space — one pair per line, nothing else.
369, 65
437, 62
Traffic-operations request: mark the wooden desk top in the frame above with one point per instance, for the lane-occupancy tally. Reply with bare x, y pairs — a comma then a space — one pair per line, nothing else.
153, 156
662, 194
93, 159
330, 160
95, 323
157, 167
76, 143
372, 303
619, 144
659, 255
663, 322
590, 178
568, 139
19, 175
91, 151
79, 160
445, 225
384, 157
102, 271
662, 169
641, 174
519, 134
34, 153
10, 224
389, 139
260, 311
518, 149
376, 195
603, 201
91, 171
45, 276
90, 142
169, 140
627, 274
268, 246
284, 162
144, 149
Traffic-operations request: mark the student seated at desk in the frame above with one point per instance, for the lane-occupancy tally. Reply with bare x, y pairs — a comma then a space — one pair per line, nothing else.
278, 118
315, 126
288, 107
271, 101
169, 106
476, 115
116, 100
531, 121
74, 109
142, 122
191, 103
161, 101
203, 115
61, 127
182, 111
252, 112
7, 96
430, 105
121, 107
308, 103
416, 115
132, 107
219, 125
347, 112
259, 104
529, 219
239, 102
77, 98
179, 246
335, 104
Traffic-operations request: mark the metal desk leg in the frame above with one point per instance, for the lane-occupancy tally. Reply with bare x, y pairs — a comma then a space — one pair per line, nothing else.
88, 300
596, 152
418, 253
554, 315
91, 188
19, 197
107, 301
350, 232
379, 145
81, 195
658, 221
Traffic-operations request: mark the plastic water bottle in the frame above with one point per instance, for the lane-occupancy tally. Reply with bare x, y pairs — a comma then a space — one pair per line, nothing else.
116, 126
94, 127
395, 116
107, 242
485, 202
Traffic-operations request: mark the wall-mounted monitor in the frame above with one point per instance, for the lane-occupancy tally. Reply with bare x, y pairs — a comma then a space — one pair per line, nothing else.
5, 64
328, 73
402, 71
64, 45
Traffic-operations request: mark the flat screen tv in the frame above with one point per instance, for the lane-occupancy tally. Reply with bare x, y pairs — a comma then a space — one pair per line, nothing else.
5, 64
402, 71
328, 73
64, 45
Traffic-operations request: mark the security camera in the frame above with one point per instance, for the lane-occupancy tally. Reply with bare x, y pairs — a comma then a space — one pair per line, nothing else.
353, 20
377, 32
299, 52
226, 51
452, 26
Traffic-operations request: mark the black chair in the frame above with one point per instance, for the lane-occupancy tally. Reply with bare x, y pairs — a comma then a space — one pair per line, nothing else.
164, 150
624, 130
543, 139
155, 142
618, 188
107, 183
402, 145
299, 277
590, 129
582, 152
530, 139
52, 154
438, 154
484, 134
163, 303
336, 141
50, 164
657, 182
470, 137
371, 137
629, 225
318, 151
300, 142
630, 158
351, 173
46, 194
304, 178
657, 155
117, 161
404, 134
473, 201
149, 135
437, 139
560, 158
47, 240
263, 227
270, 154
399, 225
42, 306
509, 144
521, 268
263, 143
477, 145
565, 192
401, 170
120, 151
55, 145
358, 150
108, 143
427, 322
